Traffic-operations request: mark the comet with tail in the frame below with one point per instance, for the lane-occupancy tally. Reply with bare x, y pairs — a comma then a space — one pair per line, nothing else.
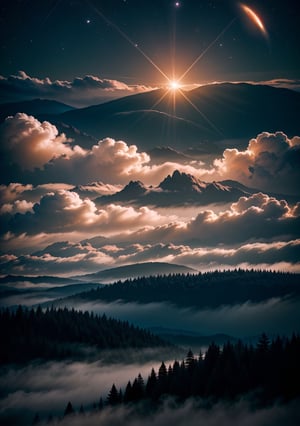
256, 20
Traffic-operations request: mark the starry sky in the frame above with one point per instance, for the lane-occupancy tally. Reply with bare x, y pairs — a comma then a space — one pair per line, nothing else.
65, 39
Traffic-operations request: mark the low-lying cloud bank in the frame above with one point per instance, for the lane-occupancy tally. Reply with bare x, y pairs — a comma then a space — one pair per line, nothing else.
274, 316
194, 412
82, 91
47, 387
61, 233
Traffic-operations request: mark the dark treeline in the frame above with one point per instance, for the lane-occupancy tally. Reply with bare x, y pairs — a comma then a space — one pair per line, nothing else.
269, 371
266, 373
210, 289
62, 333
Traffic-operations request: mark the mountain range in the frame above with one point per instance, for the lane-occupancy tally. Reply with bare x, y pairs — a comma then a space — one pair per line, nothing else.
31, 290
136, 270
211, 113
36, 107
200, 291
180, 189
199, 119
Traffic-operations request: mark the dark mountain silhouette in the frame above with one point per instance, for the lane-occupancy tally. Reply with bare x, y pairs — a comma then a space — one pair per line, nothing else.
36, 107
160, 154
47, 293
62, 333
190, 339
203, 290
180, 189
16, 289
10, 279
137, 270
216, 112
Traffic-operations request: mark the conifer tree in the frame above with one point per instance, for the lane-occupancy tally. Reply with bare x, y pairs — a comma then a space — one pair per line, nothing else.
113, 396
69, 410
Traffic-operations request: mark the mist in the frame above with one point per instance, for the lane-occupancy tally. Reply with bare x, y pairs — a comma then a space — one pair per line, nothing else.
46, 388
274, 316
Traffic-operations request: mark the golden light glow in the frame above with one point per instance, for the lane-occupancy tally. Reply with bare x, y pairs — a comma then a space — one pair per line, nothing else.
174, 85
254, 18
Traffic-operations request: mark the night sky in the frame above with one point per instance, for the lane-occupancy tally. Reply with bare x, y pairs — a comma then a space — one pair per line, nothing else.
63, 39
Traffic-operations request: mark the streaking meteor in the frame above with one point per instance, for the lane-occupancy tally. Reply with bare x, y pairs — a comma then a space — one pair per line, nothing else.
254, 18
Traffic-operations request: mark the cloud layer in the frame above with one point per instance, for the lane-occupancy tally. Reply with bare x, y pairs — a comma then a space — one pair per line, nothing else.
51, 184
82, 91
270, 162
47, 388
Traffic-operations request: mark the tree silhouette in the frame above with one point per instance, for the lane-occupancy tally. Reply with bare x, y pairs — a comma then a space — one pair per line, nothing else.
69, 410
51, 334
113, 396
271, 370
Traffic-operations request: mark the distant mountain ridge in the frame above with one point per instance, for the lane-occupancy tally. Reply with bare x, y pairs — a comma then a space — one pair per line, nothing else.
227, 111
180, 189
34, 107
136, 270
207, 290
224, 111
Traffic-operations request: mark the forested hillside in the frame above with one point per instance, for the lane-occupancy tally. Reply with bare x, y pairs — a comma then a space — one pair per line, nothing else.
263, 374
270, 370
62, 333
201, 290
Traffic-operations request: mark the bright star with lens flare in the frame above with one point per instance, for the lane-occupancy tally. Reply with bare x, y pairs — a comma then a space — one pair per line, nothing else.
174, 85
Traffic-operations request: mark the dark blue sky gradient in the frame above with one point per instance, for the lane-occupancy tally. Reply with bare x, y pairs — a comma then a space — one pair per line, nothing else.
63, 39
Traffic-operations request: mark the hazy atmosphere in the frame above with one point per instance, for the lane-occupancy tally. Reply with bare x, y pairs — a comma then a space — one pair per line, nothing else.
150, 168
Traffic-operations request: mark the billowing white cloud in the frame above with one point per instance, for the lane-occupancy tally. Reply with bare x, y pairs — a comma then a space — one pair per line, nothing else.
13, 191
64, 211
27, 142
113, 162
265, 219
18, 206
270, 162
258, 231
82, 91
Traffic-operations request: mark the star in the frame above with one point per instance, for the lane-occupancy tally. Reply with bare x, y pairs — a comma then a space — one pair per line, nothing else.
88, 21
177, 4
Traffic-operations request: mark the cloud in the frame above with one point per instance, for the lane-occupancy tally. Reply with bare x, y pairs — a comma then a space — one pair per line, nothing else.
207, 241
72, 258
283, 83
82, 91
40, 155
270, 162
47, 387
268, 218
27, 142
197, 412
64, 211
